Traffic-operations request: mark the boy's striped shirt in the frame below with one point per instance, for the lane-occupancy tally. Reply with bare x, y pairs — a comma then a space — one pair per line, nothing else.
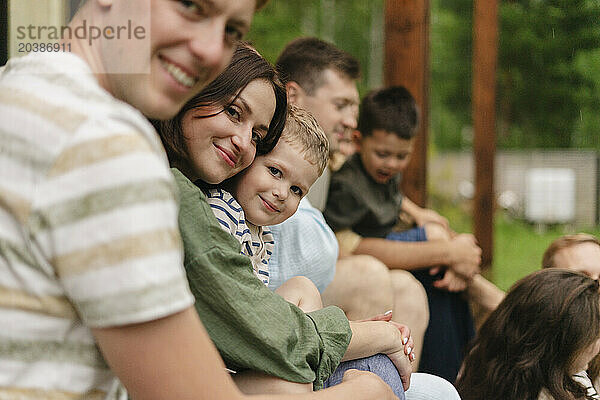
584, 379
257, 242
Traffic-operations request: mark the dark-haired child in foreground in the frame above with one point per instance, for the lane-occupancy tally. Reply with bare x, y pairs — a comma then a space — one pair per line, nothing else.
364, 206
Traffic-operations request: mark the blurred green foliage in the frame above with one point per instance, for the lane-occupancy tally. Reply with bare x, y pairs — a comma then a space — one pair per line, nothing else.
355, 26
548, 85
548, 91
548, 73
518, 245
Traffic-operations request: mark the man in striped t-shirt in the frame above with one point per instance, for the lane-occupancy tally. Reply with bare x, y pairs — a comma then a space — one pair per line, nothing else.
90, 254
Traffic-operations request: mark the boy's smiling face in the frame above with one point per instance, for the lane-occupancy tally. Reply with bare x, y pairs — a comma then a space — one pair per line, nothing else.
384, 154
270, 189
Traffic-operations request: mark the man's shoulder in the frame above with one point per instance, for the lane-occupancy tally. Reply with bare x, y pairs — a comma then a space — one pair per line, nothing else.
76, 138
306, 211
60, 89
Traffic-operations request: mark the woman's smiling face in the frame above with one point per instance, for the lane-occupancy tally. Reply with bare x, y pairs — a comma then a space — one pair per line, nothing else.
221, 145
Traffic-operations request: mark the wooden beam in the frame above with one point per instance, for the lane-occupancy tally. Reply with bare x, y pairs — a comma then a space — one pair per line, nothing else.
407, 63
3, 31
485, 54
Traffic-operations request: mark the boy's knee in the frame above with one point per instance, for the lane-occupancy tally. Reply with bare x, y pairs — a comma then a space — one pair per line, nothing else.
308, 289
361, 287
411, 295
304, 284
302, 292
370, 269
378, 364
436, 232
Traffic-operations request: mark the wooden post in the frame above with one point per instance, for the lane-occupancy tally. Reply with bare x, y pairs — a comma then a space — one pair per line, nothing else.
3, 32
407, 63
485, 51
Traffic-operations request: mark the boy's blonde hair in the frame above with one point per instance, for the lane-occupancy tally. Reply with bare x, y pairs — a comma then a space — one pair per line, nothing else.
301, 129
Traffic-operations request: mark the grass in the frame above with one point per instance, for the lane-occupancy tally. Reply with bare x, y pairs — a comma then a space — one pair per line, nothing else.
518, 245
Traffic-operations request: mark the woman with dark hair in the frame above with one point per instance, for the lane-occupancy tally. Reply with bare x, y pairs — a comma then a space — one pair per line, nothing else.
183, 136
538, 342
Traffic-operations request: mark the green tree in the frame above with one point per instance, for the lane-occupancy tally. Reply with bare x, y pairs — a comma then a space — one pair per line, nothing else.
541, 89
548, 67
587, 127
548, 74
451, 48
354, 25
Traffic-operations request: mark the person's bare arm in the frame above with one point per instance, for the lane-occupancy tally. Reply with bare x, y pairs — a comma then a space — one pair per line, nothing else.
173, 358
460, 253
169, 358
357, 385
484, 293
422, 215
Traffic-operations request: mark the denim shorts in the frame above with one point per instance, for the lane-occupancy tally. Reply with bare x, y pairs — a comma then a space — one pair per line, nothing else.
412, 235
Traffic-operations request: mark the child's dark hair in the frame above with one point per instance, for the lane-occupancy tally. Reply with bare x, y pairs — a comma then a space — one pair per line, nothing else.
531, 341
391, 109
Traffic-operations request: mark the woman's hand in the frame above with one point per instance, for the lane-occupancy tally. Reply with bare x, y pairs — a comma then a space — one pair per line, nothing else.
404, 356
409, 345
404, 331
450, 282
403, 364
387, 316
389, 338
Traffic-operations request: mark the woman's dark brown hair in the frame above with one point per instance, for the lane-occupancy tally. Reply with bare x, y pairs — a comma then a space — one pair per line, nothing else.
246, 65
533, 338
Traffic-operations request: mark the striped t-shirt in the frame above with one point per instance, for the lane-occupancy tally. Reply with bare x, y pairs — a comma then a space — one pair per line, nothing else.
582, 378
257, 241
88, 228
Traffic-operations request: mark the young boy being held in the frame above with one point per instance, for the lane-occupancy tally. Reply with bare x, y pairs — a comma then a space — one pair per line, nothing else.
268, 193
364, 206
